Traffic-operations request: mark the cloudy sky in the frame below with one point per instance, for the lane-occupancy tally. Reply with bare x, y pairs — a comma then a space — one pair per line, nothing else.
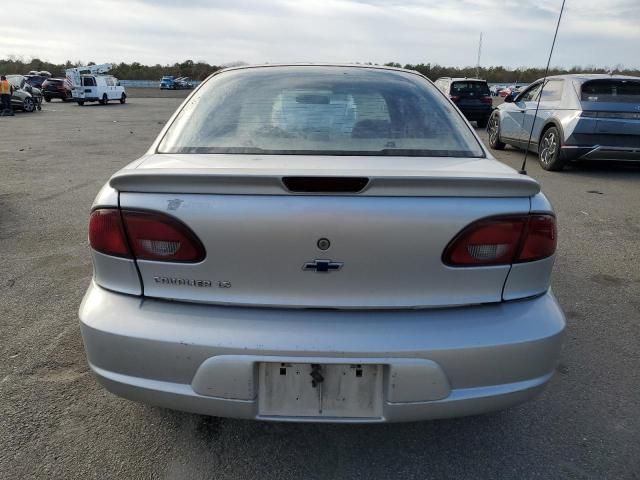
516, 32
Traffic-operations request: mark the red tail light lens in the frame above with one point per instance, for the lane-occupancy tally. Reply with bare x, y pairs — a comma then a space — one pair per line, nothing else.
106, 234
154, 236
491, 241
488, 100
502, 241
541, 239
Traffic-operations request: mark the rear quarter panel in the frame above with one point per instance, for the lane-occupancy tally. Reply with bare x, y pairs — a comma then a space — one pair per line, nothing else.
532, 278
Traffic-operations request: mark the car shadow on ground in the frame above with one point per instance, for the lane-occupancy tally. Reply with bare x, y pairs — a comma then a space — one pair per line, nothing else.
98, 104
611, 168
325, 450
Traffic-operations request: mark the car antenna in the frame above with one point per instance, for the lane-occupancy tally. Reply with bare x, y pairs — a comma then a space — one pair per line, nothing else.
523, 170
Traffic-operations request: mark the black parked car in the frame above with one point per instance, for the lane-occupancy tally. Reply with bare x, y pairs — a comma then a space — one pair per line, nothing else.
471, 95
56, 88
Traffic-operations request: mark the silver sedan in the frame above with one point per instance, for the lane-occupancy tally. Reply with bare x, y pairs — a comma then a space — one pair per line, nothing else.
321, 243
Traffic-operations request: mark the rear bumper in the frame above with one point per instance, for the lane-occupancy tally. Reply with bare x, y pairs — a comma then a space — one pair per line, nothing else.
55, 94
601, 152
476, 112
437, 363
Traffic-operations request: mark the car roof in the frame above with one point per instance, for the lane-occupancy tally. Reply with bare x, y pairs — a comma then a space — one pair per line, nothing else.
464, 79
585, 77
460, 79
331, 65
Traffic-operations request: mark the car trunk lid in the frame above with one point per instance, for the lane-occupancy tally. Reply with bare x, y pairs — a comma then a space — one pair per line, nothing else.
616, 119
377, 246
615, 103
470, 93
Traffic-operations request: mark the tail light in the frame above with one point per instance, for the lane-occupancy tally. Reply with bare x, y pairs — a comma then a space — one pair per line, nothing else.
503, 241
106, 233
143, 236
454, 98
488, 100
154, 236
540, 238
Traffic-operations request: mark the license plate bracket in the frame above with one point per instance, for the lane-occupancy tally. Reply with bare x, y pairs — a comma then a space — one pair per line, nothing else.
320, 390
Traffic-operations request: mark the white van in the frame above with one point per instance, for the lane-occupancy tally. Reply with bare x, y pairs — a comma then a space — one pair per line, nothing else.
98, 88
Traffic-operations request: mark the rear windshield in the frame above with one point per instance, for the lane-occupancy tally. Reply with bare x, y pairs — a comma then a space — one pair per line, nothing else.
320, 111
620, 91
475, 88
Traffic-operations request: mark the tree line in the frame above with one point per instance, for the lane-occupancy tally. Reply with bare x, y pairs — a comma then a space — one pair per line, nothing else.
499, 74
125, 71
201, 70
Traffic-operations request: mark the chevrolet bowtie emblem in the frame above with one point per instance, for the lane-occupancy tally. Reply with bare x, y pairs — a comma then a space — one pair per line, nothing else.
322, 266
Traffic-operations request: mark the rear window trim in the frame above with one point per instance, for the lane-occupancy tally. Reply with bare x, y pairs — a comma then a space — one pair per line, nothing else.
398, 152
160, 139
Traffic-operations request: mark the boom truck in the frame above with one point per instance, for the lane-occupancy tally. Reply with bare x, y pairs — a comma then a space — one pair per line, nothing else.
92, 84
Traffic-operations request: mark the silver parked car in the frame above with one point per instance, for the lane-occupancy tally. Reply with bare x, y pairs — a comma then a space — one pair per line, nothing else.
321, 243
581, 117
24, 97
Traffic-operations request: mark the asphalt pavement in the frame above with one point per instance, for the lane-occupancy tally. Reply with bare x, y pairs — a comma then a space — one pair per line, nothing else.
57, 422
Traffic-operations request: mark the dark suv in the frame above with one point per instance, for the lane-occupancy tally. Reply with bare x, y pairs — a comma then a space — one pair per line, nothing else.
56, 88
472, 96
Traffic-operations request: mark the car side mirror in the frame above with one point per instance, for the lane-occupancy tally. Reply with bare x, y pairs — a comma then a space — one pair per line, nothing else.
508, 98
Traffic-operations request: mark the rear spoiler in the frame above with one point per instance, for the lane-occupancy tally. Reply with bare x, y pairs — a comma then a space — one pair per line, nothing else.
255, 182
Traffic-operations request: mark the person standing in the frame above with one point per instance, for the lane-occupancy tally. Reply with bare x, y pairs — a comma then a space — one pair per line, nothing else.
6, 90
